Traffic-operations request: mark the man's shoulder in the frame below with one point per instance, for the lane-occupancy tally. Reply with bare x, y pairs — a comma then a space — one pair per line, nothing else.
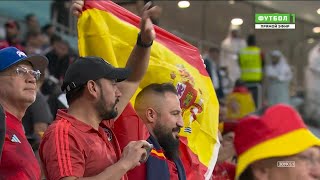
58, 125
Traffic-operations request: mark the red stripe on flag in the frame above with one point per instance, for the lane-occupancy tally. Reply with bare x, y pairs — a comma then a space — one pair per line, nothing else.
193, 167
189, 53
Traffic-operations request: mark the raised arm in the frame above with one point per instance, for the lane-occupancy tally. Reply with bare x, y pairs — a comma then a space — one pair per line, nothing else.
139, 58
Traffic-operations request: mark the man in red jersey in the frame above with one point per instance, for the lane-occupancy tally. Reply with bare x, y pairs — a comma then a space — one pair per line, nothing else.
158, 107
81, 143
18, 77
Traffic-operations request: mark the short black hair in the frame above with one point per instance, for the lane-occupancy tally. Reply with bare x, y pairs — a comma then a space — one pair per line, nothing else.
46, 27
239, 83
251, 40
55, 38
155, 88
12, 23
159, 88
214, 49
247, 174
29, 16
75, 94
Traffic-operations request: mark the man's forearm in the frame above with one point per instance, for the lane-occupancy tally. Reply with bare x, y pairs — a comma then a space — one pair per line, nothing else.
113, 172
138, 63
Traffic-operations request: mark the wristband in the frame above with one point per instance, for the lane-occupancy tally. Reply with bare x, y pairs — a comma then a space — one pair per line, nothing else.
141, 44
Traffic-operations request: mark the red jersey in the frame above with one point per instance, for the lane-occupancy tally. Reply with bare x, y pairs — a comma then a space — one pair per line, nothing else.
130, 127
73, 148
4, 44
224, 171
18, 160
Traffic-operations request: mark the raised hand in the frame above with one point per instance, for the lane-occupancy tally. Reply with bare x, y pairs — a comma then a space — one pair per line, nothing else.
76, 7
147, 31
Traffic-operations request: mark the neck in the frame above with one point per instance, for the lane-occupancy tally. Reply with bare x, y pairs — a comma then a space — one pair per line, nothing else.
150, 129
18, 110
86, 113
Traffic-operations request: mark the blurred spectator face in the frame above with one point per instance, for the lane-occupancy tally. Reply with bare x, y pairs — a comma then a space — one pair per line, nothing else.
12, 30
227, 142
35, 40
44, 39
306, 167
235, 33
227, 149
228, 139
275, 59
51, 31
33, 23
214, 55
222, 112
61, 48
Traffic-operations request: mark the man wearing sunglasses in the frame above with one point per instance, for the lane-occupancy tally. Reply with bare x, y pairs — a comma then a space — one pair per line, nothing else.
18, 77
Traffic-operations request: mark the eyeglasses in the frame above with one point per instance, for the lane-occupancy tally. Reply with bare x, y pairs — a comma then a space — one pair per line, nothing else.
22, 71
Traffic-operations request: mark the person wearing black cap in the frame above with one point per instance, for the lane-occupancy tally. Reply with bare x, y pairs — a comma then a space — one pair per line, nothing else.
18, 77
80, 142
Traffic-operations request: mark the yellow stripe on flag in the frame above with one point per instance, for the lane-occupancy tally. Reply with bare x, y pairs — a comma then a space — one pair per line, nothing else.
104, 31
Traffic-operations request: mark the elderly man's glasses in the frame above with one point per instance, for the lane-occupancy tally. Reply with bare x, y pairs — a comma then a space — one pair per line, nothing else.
22, 71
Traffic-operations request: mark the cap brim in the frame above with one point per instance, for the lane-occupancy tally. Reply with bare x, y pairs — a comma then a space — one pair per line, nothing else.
38, 62
119, 74
286, 145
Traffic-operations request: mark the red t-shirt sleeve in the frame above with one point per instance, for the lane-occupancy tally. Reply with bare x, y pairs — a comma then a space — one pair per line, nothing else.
129, 127
61, 153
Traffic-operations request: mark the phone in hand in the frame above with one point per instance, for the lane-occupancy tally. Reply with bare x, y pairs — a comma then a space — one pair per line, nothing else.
148, 150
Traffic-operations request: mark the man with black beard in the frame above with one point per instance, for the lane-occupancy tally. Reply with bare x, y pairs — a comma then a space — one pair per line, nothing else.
80, 143
158, 106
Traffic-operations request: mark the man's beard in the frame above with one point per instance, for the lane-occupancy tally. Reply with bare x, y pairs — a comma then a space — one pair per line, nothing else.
104, 112
169, 144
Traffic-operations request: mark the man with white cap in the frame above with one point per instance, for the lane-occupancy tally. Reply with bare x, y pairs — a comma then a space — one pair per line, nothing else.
18, 77
276, 145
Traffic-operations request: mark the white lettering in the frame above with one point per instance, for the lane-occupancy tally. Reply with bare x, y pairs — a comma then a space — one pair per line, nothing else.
275, 18
285, 18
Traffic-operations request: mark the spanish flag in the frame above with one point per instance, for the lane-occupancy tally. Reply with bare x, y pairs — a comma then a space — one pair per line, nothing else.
110, 31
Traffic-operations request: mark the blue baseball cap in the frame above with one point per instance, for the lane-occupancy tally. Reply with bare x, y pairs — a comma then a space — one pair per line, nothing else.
10, 56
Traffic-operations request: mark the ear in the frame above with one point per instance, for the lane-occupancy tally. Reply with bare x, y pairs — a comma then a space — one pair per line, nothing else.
151, 115
93, 89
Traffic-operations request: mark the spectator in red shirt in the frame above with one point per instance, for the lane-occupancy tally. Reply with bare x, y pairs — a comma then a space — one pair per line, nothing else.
18, 76
12, 29
81, 143
158, 106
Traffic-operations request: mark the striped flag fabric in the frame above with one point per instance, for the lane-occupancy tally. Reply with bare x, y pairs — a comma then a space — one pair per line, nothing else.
110, 31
